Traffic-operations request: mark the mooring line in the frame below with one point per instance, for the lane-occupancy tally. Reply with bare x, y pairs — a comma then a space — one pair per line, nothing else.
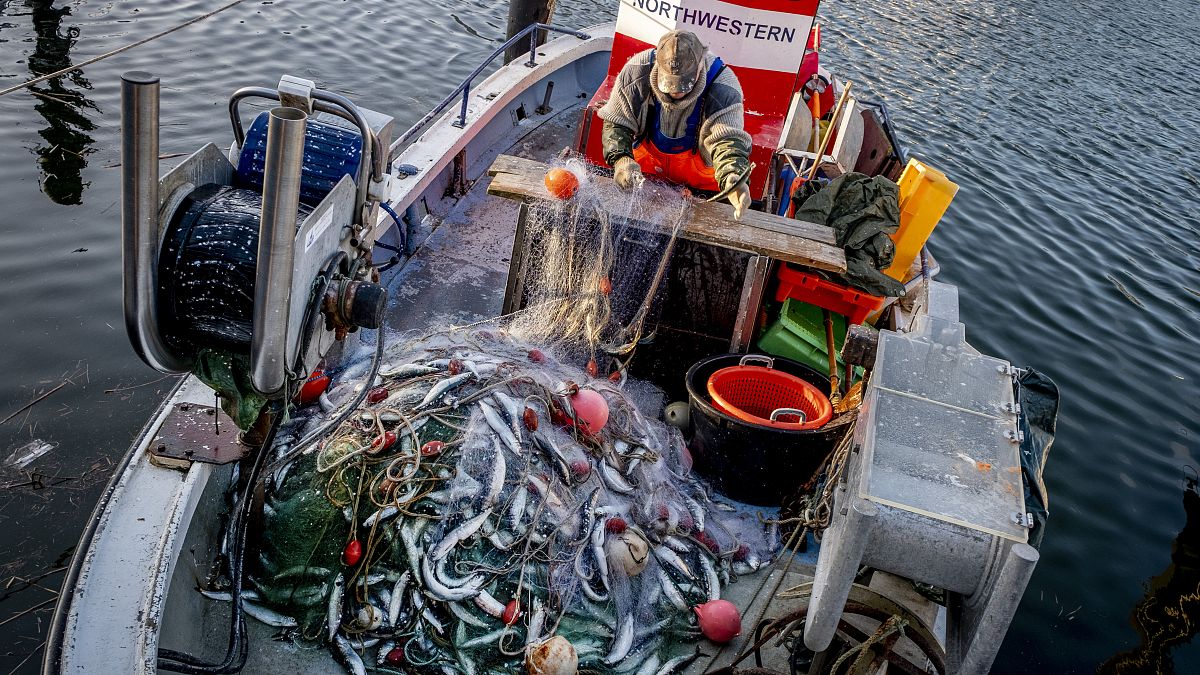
69, 69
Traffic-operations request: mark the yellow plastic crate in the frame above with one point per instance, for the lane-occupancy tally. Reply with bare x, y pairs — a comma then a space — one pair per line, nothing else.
925, 194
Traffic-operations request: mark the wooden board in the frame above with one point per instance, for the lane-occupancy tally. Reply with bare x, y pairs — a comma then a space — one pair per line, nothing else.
794, 241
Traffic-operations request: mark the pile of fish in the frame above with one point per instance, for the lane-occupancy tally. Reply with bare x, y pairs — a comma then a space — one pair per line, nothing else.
491, 509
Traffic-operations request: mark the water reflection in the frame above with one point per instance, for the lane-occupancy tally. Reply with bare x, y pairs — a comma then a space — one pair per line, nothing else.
1165, 617
61, 102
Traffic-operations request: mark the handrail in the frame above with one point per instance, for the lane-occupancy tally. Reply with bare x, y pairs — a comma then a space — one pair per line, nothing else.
465, 88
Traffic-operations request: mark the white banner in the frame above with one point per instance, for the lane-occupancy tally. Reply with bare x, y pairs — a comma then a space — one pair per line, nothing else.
741, 36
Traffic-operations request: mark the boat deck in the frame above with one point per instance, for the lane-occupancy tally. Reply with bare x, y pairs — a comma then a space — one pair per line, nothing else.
457, 277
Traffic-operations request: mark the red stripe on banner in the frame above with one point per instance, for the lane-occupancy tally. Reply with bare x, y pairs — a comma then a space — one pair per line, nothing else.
804, 7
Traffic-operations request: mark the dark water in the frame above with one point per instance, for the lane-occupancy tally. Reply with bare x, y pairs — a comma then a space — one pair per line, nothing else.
1075, 239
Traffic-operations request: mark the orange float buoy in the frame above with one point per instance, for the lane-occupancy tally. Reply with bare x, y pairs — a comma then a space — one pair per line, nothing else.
561, 183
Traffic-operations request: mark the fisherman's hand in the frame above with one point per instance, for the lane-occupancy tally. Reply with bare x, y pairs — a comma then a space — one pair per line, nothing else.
740, 198
628, 174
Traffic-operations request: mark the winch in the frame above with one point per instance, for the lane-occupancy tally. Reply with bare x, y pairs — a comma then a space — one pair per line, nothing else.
246, 267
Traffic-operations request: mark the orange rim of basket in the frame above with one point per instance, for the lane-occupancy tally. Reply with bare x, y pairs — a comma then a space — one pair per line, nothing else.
723, 389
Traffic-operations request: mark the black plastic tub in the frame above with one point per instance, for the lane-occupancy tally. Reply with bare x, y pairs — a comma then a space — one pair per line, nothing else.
748, 462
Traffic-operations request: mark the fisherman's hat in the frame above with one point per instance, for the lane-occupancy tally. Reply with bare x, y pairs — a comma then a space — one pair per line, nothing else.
679, 57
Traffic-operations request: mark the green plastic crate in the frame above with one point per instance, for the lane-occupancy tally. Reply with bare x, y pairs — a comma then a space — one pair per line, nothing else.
799, 335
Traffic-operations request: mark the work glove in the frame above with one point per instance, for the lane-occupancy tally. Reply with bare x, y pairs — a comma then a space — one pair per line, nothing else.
740, 198
628, 174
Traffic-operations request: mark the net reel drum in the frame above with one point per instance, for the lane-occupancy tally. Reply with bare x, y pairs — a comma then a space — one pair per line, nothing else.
261, 254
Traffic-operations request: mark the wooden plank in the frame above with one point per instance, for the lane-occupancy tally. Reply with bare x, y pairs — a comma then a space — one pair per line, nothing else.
849, 141
518, 266
521, 178
804, 244
757, 274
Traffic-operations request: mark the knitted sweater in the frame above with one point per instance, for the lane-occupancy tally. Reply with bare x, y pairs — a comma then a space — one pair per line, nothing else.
723, 143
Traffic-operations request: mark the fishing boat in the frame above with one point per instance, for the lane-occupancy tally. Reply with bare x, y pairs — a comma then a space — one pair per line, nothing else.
937, 475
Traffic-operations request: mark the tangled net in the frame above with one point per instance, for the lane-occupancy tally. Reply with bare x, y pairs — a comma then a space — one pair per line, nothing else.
499, 501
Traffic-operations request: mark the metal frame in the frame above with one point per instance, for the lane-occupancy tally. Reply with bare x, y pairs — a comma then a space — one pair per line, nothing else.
334, 104
139, 221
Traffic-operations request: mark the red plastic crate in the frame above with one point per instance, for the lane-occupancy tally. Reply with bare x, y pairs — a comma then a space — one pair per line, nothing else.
854, 305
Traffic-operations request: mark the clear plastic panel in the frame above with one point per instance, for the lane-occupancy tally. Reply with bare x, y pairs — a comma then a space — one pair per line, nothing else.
952, 374
949, 464
939, 434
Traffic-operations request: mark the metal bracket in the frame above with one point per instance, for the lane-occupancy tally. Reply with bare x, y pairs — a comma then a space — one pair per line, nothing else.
197, 433
1024, 520
1014, 408
1014, 436
297, 92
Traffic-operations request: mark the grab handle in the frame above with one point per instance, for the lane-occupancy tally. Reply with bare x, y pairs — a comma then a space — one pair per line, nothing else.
790, 411
757, 357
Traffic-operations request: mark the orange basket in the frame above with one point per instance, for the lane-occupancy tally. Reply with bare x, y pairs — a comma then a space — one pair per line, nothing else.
763, 395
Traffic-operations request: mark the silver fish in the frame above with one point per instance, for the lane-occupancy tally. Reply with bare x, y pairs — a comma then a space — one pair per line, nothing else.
433, 620
465, 617
696, 510
268, 616
405, 371
671, 590
353, 661
598, 531
499, 469
333, 616
469, 588
613, 479
650, 666
302, 571
226, 596
668, 556
513, 409
458, 534
488, 604
516, 510
487, 638
554, 456
397, 601
536, 621
406, 397
385, 648
676, 544
381, 515
711, 581
622, 642
674, 664
499, 428
442, 387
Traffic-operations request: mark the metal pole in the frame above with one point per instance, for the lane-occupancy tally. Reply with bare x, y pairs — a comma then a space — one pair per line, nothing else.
276, 254
139, 220
999, 609
521, 13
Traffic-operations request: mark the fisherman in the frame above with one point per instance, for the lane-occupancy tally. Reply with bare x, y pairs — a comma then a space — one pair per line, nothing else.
676, 113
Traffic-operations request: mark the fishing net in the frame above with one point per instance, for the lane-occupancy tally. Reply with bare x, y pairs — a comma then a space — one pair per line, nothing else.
595, 266
498, 492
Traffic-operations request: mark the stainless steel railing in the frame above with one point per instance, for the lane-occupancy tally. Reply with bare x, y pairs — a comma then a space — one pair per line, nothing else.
463, 90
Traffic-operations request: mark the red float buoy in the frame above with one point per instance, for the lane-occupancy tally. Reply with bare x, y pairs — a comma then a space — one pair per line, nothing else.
720, 620
313, 387
561, 183
591, 411
353, 553
512, 612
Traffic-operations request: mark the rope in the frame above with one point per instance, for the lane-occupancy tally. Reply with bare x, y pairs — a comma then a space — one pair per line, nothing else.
887, 628
69, 69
